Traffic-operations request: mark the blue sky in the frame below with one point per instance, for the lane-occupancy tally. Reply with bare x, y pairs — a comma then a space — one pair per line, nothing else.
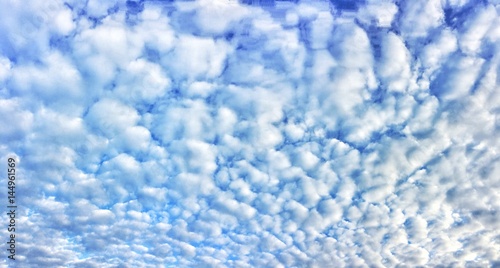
274, 134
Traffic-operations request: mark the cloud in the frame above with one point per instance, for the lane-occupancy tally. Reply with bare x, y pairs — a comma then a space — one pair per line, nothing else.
225, 134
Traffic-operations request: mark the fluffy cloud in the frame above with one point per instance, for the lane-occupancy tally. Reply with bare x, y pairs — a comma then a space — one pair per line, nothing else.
225, 134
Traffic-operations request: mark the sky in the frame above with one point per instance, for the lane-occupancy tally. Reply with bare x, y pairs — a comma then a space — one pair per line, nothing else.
217, 133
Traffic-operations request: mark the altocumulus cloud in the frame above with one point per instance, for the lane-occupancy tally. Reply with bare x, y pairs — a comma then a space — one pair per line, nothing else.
238, 134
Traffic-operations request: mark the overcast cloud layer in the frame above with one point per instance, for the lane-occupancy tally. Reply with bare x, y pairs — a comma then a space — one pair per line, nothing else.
218, 134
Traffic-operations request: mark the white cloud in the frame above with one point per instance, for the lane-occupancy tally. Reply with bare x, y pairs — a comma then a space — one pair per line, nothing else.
18, 120
420, 17
111, 117
394, 66
381, 13
142, 81
475, 28
216, 17
197, 58
213, 133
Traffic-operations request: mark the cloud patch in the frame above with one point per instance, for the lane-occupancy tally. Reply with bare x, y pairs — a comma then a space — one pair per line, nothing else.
225, 134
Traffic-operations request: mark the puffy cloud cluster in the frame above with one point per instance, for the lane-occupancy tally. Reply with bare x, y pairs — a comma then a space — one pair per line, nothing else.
226, 134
